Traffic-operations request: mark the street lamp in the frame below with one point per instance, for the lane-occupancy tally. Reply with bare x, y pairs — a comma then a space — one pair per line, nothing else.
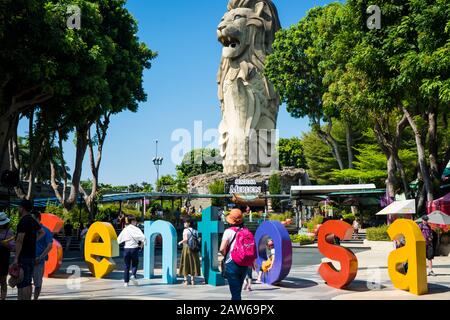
157, 161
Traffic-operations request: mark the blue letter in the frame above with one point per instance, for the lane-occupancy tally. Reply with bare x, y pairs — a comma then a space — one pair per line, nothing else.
283, 250
210, 227
169, 254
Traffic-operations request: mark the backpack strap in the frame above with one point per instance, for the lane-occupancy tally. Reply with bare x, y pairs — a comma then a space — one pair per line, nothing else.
234, 238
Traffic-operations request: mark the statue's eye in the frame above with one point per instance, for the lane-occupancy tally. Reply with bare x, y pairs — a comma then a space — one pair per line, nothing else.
237, 17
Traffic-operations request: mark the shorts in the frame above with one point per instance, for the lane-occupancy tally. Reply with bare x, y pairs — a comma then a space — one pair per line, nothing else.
38, 274
430, 253
27, 265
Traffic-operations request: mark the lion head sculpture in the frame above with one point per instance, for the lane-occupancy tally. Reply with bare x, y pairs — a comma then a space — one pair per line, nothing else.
247, 32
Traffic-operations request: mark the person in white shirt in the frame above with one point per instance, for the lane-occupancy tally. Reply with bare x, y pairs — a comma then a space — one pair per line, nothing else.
134, 240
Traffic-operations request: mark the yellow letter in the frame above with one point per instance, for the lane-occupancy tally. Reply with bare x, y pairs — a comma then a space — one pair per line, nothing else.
415, 280
98, 255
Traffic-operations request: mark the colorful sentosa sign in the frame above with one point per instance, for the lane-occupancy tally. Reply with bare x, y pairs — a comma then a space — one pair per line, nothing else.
101, 247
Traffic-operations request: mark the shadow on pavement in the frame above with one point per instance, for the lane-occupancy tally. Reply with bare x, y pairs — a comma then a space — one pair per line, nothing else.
360, 286
296, 283
437, 288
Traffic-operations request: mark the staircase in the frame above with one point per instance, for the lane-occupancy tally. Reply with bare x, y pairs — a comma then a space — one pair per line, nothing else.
74, 242
358, 240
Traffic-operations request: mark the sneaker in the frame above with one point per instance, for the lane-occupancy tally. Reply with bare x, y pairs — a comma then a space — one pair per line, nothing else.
125, 284
134, 280
431, 273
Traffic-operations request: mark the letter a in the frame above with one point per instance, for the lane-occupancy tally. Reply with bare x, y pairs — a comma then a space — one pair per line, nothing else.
415, 280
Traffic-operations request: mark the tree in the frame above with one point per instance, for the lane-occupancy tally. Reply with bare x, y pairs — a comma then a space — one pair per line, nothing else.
275, 189
320, 161
297, 68
405, 66
200, 161
291, 153
217, 187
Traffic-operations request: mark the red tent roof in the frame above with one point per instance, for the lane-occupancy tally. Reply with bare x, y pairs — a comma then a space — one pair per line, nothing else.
442, 204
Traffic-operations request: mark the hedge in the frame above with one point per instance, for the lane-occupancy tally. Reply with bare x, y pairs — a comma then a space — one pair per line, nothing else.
378, 234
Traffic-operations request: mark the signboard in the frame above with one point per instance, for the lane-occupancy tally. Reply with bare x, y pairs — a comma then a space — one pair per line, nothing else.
245, 186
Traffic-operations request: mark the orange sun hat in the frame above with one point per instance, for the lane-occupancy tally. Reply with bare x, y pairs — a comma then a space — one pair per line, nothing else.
235, 217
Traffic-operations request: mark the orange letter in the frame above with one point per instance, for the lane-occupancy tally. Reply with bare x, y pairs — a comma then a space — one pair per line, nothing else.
107, 248
55, 256
415, 280
348, 261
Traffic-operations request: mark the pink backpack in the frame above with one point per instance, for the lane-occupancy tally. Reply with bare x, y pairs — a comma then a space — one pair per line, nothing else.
244, 251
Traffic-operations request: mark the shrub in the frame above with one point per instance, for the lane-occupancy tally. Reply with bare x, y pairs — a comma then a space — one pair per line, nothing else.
378, 233
301, 239
217, 187
350, 217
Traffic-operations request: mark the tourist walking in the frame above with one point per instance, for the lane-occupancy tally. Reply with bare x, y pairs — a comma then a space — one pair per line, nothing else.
356, 227
28, 232
190, 261
6, 246
43, 247
239, 251
428, 235
68, 230
134, 241
83, 234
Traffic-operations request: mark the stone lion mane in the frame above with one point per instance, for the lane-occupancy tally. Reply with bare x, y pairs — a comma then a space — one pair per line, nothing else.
267, 25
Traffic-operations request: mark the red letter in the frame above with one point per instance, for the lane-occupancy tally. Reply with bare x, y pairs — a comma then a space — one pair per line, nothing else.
348, 261
55, 256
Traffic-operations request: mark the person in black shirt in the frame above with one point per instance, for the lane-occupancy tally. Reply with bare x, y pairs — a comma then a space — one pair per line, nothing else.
68, 229
28, 231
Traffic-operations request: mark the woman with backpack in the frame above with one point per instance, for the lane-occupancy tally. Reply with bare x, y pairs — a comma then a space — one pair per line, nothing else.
239, 251
190, 260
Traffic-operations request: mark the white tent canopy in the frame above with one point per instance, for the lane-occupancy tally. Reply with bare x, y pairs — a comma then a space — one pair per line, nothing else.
399, 207
438, 217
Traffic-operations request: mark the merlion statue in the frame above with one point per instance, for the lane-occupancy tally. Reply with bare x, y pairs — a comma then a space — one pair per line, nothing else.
249, 102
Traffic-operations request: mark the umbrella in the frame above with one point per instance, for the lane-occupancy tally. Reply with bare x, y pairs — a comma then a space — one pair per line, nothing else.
438, 217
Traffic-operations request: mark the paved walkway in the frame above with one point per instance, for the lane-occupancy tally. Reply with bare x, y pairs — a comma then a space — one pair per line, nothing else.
303, 283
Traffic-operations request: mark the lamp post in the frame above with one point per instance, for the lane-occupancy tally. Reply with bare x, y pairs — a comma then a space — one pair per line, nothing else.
157, 161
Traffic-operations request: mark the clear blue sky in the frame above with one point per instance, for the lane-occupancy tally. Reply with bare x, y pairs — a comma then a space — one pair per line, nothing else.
181, 86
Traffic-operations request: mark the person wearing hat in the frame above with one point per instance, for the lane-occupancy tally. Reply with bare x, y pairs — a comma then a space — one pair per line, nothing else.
6, 245
28, 232
428, 235
234, 273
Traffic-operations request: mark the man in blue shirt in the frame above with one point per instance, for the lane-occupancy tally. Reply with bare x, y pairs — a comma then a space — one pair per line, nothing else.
43, 247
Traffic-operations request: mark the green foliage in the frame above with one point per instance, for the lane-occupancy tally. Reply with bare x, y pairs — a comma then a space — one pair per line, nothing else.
311, 225
172, 184
14, 217
200, 161
275, 189
291, 153
319, 159
349, 217
217, 187
301, 239
281, 217
378, 233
